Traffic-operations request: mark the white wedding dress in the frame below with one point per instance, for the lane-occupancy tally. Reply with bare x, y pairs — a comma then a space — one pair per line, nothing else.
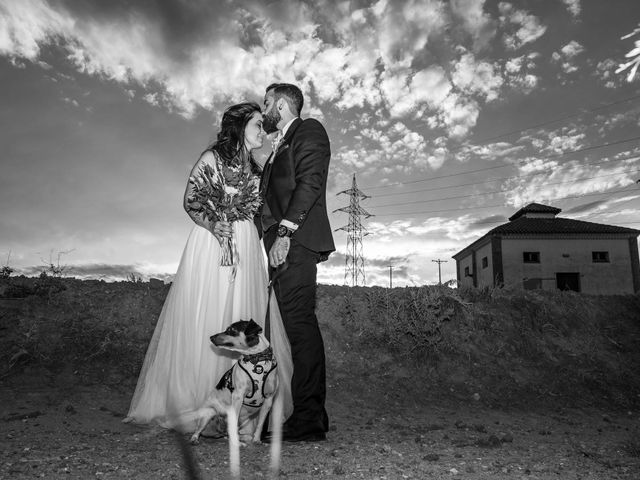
182, 366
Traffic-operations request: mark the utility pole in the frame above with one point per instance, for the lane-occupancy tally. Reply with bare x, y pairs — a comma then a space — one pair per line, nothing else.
390, 276
354, 268
438, 261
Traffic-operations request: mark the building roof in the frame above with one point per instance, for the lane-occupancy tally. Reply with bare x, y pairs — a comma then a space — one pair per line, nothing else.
535, 208
557, 225
520, 224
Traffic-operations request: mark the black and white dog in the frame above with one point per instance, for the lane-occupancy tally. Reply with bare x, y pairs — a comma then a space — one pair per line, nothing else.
248, 386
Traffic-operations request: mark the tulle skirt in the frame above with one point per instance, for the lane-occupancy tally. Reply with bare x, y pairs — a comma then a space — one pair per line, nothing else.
182, 367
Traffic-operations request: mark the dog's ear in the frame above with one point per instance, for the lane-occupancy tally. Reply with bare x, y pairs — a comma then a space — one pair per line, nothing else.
253, 328
251, 333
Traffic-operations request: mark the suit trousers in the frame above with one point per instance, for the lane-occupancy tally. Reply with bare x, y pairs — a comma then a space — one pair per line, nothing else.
295, 289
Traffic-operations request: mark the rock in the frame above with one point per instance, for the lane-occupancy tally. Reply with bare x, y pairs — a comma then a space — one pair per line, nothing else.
431, 457
506, 438
489, 442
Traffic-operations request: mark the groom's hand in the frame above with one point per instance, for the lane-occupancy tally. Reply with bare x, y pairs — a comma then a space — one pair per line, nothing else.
279, 251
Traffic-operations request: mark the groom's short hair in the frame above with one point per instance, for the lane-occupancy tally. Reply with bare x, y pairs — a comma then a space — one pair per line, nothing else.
291, 93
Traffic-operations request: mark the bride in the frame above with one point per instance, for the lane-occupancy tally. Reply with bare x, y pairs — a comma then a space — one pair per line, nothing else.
182, 366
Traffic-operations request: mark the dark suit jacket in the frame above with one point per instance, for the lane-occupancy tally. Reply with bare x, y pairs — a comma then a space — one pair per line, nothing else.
295, 184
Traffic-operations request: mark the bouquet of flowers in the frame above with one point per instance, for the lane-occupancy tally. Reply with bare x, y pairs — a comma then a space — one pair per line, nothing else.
227, 194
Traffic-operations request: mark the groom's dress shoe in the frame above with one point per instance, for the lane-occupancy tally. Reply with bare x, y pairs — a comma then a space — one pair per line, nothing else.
313, 436
293, 437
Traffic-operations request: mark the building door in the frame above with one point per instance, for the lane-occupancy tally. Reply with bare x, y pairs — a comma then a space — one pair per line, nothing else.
568, 281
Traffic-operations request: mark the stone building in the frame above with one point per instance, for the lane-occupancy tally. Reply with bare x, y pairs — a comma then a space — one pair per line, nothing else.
536, 249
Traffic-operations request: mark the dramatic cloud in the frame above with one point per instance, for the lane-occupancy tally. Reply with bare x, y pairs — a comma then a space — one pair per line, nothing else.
520, 27
476, 22
432, 104
477, 78
519, 73
561, 181
605, 72
490, 151
573, 6
566, 56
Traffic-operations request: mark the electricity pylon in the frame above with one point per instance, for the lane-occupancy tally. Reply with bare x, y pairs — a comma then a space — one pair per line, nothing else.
354, 269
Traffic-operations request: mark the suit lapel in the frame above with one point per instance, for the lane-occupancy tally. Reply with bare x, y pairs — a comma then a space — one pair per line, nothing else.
287, 138
266, 172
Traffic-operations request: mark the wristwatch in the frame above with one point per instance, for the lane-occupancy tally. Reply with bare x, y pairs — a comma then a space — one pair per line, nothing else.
284, 231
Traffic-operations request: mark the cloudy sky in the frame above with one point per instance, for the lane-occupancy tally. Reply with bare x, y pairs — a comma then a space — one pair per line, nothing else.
452, 114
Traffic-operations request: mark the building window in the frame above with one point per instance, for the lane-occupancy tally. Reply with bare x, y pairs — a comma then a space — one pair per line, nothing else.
600, 257
466, 272
531, 257
532, 283
485, 262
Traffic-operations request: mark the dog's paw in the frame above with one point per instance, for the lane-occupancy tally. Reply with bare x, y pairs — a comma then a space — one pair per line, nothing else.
194, 440
245, 440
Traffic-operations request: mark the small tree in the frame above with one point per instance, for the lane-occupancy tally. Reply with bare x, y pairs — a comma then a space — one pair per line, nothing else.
52, 269
132, 277
6, 270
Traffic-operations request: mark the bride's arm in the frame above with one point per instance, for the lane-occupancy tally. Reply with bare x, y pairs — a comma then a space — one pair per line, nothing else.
218, 229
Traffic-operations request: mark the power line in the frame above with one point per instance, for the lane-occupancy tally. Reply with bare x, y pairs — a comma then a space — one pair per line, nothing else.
544, 124
495, 191
549, 157
354, 266
432, 189
495, 222
556, 120
496, 206
438, 261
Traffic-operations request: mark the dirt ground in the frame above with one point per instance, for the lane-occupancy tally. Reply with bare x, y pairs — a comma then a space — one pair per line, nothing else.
387, 422
52, 427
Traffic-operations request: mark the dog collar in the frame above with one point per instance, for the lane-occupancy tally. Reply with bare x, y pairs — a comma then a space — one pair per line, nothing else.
263, 356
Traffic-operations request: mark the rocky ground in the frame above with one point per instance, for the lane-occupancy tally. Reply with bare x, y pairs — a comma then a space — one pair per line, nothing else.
54, 428
388, 422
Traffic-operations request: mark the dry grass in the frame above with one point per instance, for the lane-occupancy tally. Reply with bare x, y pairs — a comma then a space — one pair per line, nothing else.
505, 344
509, 342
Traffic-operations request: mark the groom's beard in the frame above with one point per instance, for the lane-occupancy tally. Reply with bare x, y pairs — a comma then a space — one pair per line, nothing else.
270, 121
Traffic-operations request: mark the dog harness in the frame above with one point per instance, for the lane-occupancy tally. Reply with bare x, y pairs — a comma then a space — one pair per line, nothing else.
258, 367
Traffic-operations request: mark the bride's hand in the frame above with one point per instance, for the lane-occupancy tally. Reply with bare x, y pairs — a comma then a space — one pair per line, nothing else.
221, 230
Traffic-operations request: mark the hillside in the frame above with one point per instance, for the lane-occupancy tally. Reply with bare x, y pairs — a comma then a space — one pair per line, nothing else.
419, 378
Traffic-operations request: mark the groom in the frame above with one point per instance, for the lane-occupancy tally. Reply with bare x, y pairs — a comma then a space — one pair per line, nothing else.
296, 229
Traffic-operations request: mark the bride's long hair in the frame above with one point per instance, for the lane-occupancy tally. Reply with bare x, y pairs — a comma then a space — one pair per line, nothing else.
229, 143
